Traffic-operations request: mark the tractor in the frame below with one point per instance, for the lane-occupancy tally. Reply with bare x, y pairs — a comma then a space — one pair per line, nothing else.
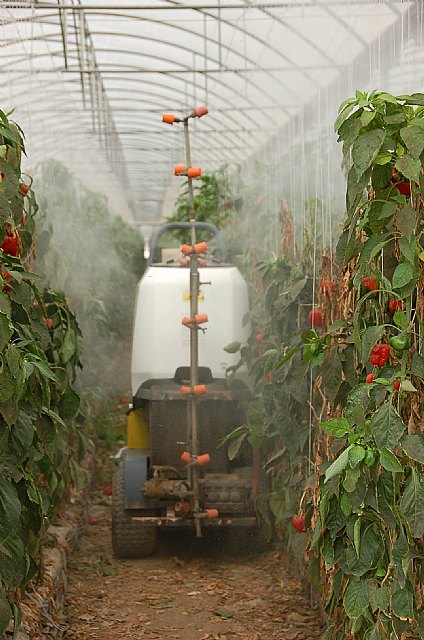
174, 472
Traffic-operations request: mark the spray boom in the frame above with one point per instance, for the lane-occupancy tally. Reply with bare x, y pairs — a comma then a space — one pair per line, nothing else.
192, 253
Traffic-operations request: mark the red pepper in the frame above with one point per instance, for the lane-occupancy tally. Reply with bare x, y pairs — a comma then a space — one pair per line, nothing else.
395, 305
315, 318
10, 245
298, 522
7, 278
380, 354
370, 378
369, 283
396, 385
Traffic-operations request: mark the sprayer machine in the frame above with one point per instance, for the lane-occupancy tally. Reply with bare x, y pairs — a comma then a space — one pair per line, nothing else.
174, 473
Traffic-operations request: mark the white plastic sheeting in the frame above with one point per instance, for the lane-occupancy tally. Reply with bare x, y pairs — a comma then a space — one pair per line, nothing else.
90, 80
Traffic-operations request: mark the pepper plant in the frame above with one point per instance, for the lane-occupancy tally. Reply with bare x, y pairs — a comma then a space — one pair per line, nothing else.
369, 505
40, 349
279, 418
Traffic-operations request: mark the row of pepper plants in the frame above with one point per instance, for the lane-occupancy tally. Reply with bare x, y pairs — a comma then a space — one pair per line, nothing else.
353, 382
40, 349
369, 502
98, 259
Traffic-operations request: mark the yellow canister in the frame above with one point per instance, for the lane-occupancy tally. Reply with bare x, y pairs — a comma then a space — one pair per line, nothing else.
138, 430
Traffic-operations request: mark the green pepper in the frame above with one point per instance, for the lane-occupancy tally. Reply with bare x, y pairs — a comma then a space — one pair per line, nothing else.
369, 458
315, 348
400, 343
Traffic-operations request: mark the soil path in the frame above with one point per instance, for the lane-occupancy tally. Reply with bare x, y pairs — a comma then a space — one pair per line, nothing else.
189, 590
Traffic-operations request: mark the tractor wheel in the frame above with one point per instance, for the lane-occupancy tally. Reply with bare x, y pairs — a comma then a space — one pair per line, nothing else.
130, 538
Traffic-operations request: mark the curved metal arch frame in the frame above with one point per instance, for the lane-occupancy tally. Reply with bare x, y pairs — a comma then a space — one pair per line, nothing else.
271, 15
189, 69
85, 116
167, 73
292, 63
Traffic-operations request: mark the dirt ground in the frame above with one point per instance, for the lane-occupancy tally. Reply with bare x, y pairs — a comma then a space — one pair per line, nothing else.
189, 590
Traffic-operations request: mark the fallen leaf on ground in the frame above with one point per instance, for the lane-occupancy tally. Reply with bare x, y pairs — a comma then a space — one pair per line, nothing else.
226, 614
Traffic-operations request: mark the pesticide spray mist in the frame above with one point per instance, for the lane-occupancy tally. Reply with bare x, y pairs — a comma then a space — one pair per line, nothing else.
97, 260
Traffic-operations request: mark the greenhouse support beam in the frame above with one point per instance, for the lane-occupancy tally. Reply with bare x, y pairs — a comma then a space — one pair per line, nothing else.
144, 70
155, 7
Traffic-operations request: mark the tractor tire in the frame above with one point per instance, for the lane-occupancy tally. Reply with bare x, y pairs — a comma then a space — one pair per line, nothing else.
130, 538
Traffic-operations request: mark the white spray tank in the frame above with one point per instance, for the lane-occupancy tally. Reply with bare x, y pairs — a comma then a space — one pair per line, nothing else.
161, 343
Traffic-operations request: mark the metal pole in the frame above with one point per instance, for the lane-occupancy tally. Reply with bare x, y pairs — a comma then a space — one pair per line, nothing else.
194, 340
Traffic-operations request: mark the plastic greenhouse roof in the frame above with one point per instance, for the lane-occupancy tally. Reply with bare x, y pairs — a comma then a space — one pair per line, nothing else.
114, 67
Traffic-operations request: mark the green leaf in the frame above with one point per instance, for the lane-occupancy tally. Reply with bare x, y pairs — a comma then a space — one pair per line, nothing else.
337, 427
409, 167
5, 331
403, 602
5, 305
400, 319
389, 461
386, 97
11, 135
369, 552
233, 347
13, 562
7, 384
226, 614
357, 536
5, 612
43, 368
387, 210
413, 138
10, 509
69, 404
408, 248
368, 339
235, 444
355, 598
332, 373
403, 275
373, 246
412, 503
14, 359
379, 597
382, 158
356, 455
345, 504
413, 445
366, 117
67, 349
417, 365
357, 404
365, 149
416, 99
288, 356
406, 385
406, 221
351, 478
338, 465
387, 427
343, 115
401, 557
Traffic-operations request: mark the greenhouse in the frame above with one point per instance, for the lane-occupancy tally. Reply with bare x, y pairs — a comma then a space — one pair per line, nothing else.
211, 319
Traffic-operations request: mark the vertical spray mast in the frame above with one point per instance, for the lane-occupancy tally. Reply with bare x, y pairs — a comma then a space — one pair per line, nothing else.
192, 251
